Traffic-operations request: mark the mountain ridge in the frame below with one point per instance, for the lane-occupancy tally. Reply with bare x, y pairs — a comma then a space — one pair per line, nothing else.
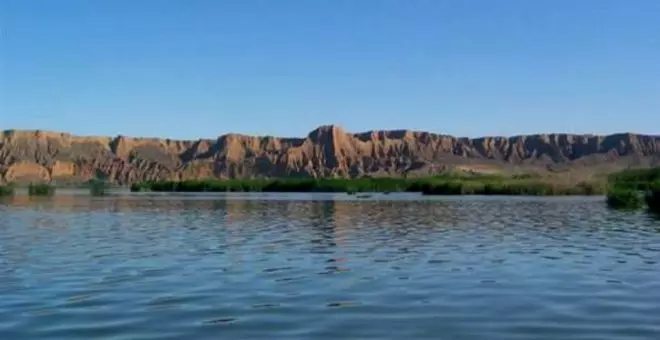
326, 151
240, 134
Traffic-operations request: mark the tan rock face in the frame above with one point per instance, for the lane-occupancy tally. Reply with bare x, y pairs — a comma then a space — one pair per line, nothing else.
326, 151
26, 171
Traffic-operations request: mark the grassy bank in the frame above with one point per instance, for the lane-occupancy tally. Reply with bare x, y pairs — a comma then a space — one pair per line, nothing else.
6, 190
634, 189
41, 189
507, 187
441, 185
635, 179
625, 199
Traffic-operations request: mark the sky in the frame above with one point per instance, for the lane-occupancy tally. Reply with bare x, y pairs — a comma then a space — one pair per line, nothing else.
189, 69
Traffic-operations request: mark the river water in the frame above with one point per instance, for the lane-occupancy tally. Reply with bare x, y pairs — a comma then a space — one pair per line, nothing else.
320, 266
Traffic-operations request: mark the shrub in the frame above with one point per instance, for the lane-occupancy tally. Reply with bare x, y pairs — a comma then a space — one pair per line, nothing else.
41, 189
624, 199
638, 179
98, 188
138, 187
6, 190
438, 185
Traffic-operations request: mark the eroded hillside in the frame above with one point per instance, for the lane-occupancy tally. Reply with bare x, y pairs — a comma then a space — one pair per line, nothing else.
326, 151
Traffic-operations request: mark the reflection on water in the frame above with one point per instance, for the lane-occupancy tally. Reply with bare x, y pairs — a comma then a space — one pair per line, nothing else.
322, 266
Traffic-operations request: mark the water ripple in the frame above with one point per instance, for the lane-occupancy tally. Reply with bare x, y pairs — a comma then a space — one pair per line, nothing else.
326, 267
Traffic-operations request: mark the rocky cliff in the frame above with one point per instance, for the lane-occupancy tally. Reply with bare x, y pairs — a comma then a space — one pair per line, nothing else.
326, 151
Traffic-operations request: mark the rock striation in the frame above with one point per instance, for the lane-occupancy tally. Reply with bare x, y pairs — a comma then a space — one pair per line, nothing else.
325, 152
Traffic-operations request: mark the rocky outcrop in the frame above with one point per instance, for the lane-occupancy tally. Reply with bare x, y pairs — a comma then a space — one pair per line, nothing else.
326, 151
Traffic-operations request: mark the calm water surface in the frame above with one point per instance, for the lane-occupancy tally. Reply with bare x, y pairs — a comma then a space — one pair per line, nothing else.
326, 267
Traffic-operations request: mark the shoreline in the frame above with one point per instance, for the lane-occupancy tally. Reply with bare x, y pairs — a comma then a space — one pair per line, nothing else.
442, 185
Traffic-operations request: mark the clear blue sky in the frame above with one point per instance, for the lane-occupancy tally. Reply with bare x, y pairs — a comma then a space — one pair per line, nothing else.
190, 69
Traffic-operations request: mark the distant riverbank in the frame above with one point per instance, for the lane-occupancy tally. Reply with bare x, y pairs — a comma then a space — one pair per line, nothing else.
626, 189
440, 185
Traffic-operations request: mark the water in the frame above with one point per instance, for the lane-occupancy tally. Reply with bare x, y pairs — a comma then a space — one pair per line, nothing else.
326, 267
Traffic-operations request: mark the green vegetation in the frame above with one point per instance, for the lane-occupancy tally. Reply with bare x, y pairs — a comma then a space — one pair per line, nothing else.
625, 199
634, 188
278, 185
98, 188
41, 189
635, 179
141, 186
507, 187
6, 190
653, 198
439, 185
